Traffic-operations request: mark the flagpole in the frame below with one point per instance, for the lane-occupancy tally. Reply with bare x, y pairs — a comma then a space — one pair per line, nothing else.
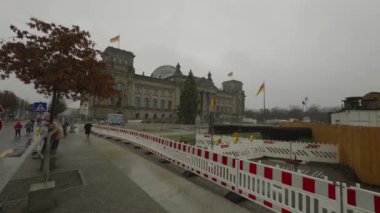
264, 103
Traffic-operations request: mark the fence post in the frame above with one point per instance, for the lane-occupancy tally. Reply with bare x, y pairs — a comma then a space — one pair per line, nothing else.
237, 167
342, 187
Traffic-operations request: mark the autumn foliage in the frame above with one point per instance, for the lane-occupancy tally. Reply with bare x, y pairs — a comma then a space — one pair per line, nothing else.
58, 60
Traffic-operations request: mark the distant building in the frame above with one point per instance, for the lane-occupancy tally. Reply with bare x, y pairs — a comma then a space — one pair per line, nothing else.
359, 111
157, 97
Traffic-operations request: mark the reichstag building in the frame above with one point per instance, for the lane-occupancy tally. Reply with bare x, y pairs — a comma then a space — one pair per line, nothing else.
156, 98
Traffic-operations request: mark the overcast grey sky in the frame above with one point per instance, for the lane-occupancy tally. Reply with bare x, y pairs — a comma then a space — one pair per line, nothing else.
323, 49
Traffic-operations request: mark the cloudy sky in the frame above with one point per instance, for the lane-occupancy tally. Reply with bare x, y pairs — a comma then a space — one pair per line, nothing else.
323, 49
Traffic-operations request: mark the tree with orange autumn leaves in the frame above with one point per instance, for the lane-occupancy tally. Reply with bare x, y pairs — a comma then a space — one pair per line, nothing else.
60, 61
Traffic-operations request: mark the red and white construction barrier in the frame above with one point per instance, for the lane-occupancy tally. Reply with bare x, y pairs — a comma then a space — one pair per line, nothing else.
247, 149
272, 187
357, 199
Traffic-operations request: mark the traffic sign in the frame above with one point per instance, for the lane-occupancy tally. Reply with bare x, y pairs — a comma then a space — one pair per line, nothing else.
39, 107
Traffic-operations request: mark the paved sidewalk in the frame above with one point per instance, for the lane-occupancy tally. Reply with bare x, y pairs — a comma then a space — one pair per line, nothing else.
122, 179
10, 165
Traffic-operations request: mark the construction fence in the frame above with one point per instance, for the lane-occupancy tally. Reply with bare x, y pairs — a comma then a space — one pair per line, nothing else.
245, 148
359, 147
272, 187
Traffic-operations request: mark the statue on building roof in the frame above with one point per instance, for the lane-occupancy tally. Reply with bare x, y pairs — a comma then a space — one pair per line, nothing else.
178, 70
209, 76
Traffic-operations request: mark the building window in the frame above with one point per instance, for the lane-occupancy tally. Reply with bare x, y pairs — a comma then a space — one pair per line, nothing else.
137, 115
169, 105
137, 90
155, 104
170, 116
120, 87
163, 93
146, 103
146, 91
118, 101
154, 116
137, 102
163, 116
146, 116
162, 104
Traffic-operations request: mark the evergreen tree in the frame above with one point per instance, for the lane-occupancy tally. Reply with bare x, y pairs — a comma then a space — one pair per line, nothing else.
189, 101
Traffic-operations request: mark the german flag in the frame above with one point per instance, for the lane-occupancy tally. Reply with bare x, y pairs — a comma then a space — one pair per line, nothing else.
115, 39
262, 89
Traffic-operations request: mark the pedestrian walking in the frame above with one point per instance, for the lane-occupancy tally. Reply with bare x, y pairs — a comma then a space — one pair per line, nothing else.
29, 127
65, 125
87, 129
55, 133
18, 127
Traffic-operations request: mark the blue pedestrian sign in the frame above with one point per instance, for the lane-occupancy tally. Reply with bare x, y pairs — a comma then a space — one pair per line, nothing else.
39, 107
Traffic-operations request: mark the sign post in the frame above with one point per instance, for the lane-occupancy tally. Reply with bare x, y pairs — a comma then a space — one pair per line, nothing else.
39, 107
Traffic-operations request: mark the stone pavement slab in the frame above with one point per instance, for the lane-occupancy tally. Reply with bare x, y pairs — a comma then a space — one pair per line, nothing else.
173, 192
106, 188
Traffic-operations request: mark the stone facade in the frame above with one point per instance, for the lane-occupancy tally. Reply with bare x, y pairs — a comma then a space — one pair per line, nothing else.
157, 97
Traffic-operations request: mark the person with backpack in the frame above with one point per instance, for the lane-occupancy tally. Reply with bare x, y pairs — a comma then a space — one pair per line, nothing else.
18, 127
87, 129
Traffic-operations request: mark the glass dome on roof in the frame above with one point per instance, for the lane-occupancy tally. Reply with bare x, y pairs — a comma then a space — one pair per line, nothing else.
163, 72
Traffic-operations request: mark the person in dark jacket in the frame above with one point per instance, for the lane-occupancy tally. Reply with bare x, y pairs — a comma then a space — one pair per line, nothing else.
87, 129
29, 127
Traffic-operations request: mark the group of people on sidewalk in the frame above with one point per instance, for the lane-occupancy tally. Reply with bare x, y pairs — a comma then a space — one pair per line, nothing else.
50, 130
29, 126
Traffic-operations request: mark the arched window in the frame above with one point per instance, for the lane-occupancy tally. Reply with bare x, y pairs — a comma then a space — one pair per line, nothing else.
162, 104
